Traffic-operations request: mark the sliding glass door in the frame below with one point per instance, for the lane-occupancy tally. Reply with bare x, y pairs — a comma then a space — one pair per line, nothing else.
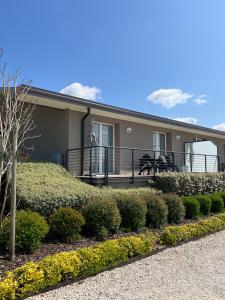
104, 134
159, 143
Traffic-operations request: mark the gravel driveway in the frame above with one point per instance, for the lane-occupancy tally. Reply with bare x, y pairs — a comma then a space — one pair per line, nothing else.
192, 271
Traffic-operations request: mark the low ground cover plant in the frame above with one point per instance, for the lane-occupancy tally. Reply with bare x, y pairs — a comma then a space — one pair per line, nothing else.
65, 224
172, 235
36, 276
31, 229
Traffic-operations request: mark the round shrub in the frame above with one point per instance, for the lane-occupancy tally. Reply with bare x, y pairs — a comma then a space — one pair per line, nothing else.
205, 204
176, 209
157, 212
192, 208
133, 212
102, 217
65, 224
31, 228
217, 204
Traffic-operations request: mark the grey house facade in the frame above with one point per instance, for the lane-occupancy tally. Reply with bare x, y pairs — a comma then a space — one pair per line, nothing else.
93, 139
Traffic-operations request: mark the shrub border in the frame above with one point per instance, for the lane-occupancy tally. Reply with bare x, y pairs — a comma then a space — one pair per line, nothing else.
66, 267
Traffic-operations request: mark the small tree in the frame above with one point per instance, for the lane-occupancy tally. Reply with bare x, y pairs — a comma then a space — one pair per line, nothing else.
15, 126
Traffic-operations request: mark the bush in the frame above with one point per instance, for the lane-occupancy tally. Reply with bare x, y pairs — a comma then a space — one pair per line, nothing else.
102, 217
188, 184
172, 235
31, 228
45, 187
36, 276
192, 207
133, 212
205, 204
176, 209
157, 212
65, 225
217, 204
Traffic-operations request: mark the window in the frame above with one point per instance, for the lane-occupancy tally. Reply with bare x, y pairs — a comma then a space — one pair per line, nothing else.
159, 142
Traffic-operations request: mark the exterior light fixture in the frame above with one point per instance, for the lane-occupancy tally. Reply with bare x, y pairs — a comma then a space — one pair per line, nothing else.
178, 137
129, 130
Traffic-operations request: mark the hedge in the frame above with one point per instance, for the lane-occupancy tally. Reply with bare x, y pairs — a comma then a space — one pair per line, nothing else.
34, 277
172, 235
188, 184
44, 187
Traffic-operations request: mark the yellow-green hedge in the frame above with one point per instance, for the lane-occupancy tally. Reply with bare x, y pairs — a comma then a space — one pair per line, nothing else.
172, 235
36, 276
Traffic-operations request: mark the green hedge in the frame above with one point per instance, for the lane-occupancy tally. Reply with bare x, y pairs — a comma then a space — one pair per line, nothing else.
36, 276
44, 187
192, 207
188, 184
172, 235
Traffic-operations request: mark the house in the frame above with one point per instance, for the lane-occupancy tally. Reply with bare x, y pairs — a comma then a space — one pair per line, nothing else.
106, 144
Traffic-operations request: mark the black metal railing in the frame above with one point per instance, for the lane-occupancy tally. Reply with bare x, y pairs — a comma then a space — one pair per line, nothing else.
133, 162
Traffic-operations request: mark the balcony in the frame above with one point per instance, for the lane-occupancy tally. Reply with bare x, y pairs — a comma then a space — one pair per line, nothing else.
132, 166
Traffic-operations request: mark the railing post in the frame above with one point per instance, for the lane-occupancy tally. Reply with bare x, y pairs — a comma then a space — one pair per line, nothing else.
106, 166
132, 162
205, 163
218, 161
90, 170
154, 164
191, 166
66, 163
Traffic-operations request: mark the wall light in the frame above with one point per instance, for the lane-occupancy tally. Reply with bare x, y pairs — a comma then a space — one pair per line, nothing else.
129, 129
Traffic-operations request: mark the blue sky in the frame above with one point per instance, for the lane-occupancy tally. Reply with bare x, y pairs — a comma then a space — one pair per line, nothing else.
152, 56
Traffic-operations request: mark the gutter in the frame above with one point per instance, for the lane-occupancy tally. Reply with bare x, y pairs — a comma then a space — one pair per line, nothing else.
82, 140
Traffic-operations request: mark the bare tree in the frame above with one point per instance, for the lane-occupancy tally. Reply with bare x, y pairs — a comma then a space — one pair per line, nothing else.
15, 114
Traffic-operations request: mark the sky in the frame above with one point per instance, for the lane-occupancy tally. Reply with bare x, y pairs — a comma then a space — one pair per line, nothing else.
162, 57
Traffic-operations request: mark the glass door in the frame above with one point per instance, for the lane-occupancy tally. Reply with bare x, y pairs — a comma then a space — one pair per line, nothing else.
159, 143
104, 138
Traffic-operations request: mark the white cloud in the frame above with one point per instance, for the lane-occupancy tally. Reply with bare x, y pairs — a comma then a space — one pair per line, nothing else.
169, 98
78, 90
189, 120
200, 100
220, 127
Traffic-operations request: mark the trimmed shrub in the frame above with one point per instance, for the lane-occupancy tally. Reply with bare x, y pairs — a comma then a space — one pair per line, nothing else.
102, 217
133, 212
31, 228
45, 187
157, 212
217, 204
65, 224
33, 277
192, 208
172, 235
205, 204
187, 184
176, 209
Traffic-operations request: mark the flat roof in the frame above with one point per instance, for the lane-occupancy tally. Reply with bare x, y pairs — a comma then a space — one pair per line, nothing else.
35, 91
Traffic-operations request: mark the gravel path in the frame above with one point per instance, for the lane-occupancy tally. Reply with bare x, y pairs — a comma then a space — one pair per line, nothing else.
192, 271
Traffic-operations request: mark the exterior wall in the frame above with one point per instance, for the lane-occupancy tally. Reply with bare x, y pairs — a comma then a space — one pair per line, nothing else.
61, 130
51, 125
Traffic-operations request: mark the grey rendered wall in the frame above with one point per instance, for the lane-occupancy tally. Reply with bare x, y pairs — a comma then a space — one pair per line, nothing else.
52, 126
